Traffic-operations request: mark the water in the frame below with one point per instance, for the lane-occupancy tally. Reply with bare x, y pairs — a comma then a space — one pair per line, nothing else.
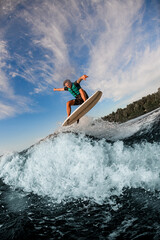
97, 180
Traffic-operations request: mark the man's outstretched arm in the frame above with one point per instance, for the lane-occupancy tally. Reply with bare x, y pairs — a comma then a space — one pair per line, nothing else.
58, 89
82, 78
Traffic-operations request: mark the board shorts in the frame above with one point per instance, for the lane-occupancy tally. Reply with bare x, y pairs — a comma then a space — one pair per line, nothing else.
79, 100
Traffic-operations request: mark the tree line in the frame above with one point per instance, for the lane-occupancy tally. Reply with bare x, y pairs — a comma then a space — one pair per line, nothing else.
135, 109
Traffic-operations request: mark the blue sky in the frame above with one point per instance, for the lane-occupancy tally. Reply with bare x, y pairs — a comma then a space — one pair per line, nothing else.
43, 42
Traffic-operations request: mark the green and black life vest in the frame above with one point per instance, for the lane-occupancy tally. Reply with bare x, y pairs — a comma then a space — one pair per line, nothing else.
74, 90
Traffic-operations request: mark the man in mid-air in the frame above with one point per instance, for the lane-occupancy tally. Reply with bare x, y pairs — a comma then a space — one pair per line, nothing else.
76, 90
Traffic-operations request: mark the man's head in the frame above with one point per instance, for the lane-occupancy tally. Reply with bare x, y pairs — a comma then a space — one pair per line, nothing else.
67, 83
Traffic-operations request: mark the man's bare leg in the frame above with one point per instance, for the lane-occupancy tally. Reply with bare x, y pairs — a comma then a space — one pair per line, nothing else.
83, 95
69, 104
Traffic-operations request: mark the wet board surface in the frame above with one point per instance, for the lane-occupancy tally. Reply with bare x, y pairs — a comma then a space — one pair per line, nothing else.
83, 108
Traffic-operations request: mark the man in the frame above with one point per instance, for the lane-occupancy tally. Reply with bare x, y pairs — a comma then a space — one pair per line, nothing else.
76, 90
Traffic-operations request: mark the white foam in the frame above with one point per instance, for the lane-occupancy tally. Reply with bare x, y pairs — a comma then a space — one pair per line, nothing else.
73, 166
111, 131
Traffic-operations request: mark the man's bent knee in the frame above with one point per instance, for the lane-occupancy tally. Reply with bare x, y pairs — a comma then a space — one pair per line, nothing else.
70, 103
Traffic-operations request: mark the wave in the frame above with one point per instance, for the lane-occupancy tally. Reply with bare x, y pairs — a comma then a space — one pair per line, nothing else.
143, 128
94, 159
76, 166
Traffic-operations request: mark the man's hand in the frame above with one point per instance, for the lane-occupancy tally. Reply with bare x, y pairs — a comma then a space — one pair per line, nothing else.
58, 89
84, 77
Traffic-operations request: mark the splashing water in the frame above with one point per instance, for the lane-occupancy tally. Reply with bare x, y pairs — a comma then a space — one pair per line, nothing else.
75, 166
94, 180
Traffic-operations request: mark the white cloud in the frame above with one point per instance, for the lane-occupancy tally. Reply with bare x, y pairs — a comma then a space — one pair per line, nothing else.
145, 76
49, 26
8, 6
6, 111
122, 62
110, 37
13, 105
63, 28
10, 103
4, 83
